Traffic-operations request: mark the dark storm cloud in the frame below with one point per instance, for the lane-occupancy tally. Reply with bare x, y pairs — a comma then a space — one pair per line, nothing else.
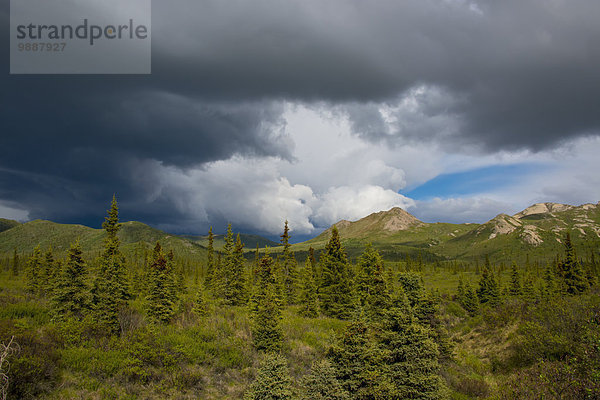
499, 75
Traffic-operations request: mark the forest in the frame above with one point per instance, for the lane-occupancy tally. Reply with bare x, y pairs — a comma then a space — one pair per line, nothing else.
154, 322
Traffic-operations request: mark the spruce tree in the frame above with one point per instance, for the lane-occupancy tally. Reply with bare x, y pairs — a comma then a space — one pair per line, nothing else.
289, 267
272, 381
15, 263
201, 302
308, 298
574, 281
488, 291
529, 292
33, 273
549, 287
265, 308
210, 261
71, 296
336, 283
110, 290
321, 383
471, 302
515, 282
359, 362
371, 286
235, 288
160, 306
411, 357
50, 272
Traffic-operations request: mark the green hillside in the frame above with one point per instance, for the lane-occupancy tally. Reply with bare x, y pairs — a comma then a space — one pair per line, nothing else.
25, 237
6, 224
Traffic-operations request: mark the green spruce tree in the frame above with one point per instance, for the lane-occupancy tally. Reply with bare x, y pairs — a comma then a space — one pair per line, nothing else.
515, 288
265, 309
488, 291
272, 381
336, 298
289, 268
321, 383
574, 281
110, 290
210, 261
159, 302
71, 296
33, 272
371, 285
308, 298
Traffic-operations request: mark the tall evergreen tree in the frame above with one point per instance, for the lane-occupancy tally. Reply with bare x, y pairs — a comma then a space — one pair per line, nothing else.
160, 306
471, 302
265, 309
15, 263
411, 357
321, 383
488, 291
272, 380
235, 288
336, 283
515, 288
110, 290
289, 268
210, 261
34, 271
308, 298
201, 302
359, 362
71, 296
49, 272
371, 286
529, 292
574, 281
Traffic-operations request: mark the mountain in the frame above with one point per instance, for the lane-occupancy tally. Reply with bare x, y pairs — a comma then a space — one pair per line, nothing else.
537, 231
24, 237
6, 224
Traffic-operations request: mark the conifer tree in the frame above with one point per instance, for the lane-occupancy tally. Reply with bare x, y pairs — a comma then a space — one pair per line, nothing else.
235, 289
336, 283
488, 291
15, 263
411, 356
50, 271
515, 282
574, 281
160, 306
33, 271
308, 298
471, 302
201, 302
210, 261
549, 287
265, 308
314, 265
71, 297
289, 268
110, 291
529, 292
322, 384
359, 362
175, 284
371, 286
272, 380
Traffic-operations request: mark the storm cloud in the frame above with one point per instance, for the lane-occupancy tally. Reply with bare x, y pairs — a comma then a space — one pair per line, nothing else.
205, 138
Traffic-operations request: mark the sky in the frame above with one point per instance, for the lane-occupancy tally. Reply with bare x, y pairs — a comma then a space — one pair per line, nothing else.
311, 111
